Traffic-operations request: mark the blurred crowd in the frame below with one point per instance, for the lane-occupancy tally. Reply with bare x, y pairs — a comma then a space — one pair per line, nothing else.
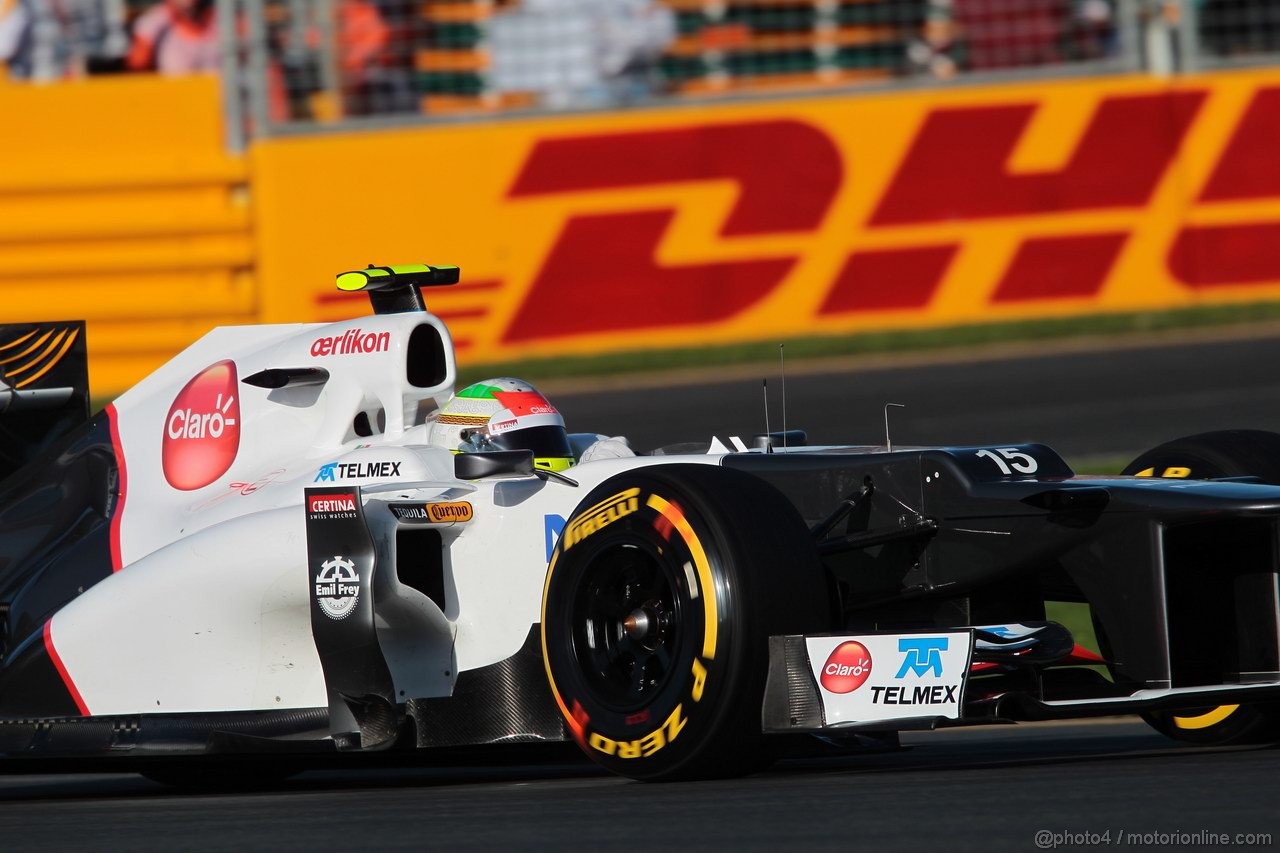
52, 39
58, 39
329, 58
983, 35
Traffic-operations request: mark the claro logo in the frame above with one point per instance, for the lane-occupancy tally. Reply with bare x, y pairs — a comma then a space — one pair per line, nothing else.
848, 668
202, 429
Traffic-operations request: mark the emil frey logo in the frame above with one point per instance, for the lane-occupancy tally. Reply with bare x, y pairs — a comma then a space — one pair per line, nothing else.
848, 668
202, 429
337, 587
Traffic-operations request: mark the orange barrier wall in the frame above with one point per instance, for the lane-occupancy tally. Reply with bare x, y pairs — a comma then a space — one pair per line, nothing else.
779, 219
119, 205
677, 226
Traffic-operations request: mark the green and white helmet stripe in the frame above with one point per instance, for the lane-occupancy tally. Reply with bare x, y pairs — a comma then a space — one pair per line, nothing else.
495, 406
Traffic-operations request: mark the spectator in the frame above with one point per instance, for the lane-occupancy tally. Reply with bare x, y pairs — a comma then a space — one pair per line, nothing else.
981, 35
181, 37
327, 79
938, 51
579, 52
176, 37
1005, 34
15, 31
56, 39
362, 39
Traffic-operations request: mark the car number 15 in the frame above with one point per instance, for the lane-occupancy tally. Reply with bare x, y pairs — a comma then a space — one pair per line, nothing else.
1016, 460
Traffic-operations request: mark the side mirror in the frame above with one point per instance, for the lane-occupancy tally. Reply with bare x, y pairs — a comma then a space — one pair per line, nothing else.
499, 463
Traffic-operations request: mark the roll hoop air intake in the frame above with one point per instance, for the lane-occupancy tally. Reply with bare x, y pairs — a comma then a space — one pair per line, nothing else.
396, 289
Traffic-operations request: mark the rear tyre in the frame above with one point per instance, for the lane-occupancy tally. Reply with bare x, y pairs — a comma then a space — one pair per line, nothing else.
659, 601
1229, 453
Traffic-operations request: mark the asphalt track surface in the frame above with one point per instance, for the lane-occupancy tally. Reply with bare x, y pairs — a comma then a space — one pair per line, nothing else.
973, 789
1084, 404
990, 788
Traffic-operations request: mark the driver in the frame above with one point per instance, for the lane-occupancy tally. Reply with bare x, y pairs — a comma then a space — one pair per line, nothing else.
504, 414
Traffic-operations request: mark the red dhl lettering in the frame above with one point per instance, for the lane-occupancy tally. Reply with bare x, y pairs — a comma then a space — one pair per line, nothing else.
970, 206
927, 187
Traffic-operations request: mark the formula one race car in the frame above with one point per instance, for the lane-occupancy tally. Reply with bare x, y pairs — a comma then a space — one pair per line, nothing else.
299, 541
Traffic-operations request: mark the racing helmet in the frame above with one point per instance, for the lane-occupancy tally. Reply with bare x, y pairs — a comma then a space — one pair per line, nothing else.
503, 414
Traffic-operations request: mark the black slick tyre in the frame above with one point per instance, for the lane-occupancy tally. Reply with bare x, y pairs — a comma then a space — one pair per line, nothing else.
659, 600
1228, 453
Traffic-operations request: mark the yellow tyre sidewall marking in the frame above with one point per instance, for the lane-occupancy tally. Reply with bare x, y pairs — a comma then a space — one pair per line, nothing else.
680, 523
1204, 721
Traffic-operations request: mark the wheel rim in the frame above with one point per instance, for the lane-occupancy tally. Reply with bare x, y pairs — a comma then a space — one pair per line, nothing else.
627, 625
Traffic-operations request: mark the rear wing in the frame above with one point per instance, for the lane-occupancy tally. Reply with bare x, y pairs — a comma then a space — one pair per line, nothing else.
44, 387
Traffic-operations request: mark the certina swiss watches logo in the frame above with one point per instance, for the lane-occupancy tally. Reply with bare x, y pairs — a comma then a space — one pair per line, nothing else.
334, 471
913, 675
337, 587
352, 342
441, 513
328, 507
202, 429
848, 668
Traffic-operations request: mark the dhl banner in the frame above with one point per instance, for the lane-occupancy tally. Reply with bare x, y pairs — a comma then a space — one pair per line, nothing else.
788, 218
690, 224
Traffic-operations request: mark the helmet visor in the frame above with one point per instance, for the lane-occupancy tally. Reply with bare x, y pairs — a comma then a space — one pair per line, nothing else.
544, 441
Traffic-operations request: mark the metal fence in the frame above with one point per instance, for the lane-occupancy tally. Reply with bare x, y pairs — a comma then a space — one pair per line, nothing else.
1227, 31
299, 63
320, 61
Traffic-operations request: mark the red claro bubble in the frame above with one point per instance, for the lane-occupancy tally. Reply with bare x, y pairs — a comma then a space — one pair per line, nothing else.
848, 668
202, 430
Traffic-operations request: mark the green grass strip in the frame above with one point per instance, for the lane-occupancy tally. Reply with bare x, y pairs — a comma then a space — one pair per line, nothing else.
903, 340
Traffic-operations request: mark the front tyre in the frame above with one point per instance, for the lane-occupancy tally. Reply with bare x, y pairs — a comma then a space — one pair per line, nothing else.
1228, 453
659, 601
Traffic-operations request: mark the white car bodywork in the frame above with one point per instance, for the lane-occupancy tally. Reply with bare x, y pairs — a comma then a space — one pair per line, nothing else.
208, 609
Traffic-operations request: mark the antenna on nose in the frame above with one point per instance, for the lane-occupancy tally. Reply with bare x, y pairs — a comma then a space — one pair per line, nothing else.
888, 445
768, 445
782, 360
